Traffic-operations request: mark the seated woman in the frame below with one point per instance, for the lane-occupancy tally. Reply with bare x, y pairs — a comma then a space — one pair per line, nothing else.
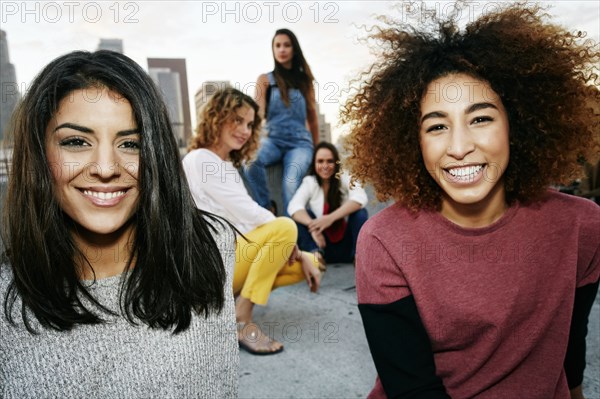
266, 254
321, 219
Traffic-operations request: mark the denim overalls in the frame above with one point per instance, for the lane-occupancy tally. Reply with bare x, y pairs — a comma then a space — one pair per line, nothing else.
288, 141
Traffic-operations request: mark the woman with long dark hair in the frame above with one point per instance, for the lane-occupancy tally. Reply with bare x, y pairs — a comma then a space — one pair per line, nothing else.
113, 283
329, 211
286, 99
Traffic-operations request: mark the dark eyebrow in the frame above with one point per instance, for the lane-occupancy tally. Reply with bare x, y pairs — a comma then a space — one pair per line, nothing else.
472, 108
478, 106
128, 132
435, 114
73, 126
84, 129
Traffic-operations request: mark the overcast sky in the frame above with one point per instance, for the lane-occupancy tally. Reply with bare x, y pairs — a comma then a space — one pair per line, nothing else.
228, 40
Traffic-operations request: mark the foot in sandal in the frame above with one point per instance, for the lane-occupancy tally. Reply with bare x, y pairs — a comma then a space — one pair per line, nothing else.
252, 339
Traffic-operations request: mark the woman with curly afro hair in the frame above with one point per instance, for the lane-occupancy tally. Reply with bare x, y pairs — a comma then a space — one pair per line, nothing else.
478, 281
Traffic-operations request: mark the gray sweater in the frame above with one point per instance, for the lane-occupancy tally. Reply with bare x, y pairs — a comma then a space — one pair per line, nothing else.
119, 360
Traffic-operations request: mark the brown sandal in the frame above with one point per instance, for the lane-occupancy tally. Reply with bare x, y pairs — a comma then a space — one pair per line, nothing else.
253, 338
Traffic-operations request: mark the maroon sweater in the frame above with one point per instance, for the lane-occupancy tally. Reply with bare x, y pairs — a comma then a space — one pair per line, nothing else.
495, 302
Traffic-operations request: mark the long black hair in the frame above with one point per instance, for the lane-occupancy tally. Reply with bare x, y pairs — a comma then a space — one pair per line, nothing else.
334, 195
298, 77
178, 267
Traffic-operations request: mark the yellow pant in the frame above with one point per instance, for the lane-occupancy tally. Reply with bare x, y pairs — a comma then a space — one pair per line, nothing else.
261, 263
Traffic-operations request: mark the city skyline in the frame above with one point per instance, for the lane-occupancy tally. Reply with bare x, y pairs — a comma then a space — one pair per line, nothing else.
10, 92
231, 41
170, 75
111, 44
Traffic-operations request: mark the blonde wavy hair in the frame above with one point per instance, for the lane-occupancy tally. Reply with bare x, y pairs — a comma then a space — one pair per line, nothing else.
222, 108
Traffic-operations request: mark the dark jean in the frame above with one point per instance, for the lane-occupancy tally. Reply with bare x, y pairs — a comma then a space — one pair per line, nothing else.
339, 252
295, 159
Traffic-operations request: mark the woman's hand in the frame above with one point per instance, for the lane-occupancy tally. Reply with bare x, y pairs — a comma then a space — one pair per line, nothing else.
320, 224
311, 273
295, 255
577, 393
319, 239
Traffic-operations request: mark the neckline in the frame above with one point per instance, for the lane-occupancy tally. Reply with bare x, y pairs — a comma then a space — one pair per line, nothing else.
506, 217
104, 282
214, 154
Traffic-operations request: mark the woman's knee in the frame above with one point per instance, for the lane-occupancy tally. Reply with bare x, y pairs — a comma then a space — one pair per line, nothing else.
359, 217
258, 162
286, 229
282, 233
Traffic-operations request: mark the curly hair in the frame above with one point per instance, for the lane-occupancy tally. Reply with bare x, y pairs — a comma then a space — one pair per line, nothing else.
545, 76
220, 109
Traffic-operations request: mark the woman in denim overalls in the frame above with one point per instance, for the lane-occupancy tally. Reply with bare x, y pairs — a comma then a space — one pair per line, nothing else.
289, 111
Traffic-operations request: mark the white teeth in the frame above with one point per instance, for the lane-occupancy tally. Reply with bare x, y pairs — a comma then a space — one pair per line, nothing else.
465, 172
102, 195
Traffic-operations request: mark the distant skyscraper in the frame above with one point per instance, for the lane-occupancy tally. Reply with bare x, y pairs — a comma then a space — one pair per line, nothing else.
111, 44
206, 91
9, 87
170, 85
170, 75
324, 127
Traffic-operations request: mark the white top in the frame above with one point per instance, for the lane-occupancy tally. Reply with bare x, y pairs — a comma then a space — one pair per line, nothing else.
310, 195
217, 187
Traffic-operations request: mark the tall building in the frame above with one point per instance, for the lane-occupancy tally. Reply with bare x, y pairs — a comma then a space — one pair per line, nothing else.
324, 127
170, 85
8, 85
111, 44
170, 75
206, 91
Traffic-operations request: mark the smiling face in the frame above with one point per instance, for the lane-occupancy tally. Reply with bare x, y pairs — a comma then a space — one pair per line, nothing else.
235, 133
283, 50
92, 146
464, 137
324, 164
